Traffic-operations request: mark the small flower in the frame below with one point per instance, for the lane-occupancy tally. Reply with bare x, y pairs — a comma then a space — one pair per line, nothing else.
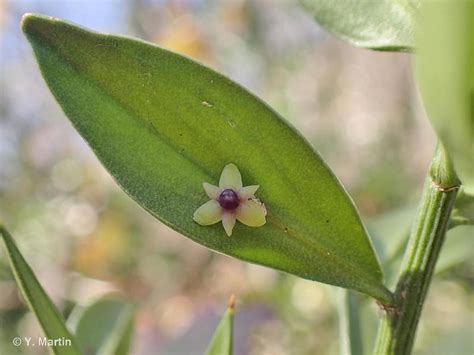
230, 201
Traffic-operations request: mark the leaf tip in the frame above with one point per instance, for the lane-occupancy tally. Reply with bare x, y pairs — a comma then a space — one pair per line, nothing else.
32, 23
3, 229
27, 21
231, 303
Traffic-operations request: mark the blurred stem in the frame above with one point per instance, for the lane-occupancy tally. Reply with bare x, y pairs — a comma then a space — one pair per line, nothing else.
398, 328
350, 335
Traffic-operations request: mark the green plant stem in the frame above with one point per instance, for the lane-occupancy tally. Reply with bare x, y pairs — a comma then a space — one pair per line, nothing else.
398, 327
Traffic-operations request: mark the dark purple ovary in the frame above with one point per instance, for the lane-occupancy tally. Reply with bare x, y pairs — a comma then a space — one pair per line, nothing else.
228, 199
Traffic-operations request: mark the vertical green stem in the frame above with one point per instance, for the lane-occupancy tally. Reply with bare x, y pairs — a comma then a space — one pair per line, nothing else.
398, 328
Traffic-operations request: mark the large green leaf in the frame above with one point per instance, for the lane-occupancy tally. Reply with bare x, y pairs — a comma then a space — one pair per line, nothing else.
222, 340
163, 124
445, 73
105, 327
381, 24
47, 314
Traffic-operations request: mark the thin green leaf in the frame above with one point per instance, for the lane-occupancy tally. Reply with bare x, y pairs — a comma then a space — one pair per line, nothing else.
163, 124
457, 249
386, 25
445, 73
350, 326
105, 327
391, 232
46, 313
121, 342
221, 343
463, 213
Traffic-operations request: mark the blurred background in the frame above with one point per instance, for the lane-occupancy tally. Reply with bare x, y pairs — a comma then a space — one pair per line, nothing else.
84, 238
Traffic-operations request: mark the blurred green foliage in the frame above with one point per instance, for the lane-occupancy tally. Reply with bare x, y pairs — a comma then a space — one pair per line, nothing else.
84, 238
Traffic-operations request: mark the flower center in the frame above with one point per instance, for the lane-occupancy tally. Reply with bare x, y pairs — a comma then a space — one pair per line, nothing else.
228, 199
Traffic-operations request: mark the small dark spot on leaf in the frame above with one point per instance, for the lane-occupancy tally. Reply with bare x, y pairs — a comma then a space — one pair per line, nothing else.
327, 220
